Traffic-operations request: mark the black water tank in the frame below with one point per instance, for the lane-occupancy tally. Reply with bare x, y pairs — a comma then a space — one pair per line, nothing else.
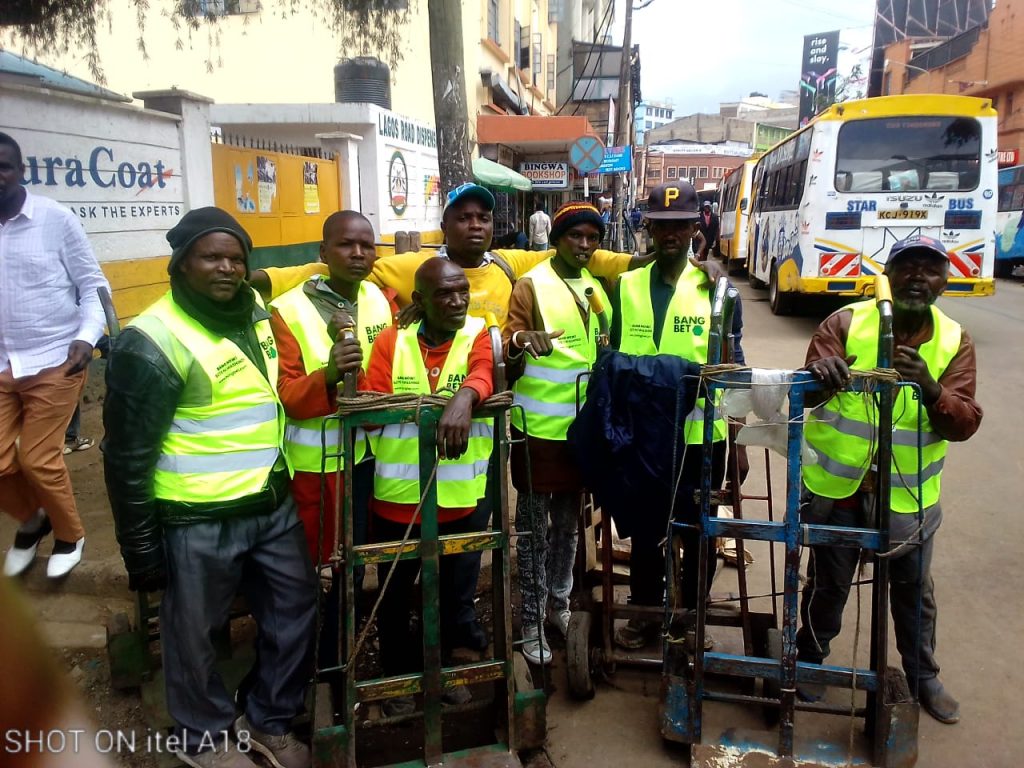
363, 79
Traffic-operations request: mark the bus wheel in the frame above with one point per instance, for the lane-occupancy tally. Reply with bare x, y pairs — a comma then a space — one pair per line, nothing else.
780, 301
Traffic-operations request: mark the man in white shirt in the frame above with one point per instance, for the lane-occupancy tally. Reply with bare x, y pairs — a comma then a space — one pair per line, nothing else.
540, 229
50, 319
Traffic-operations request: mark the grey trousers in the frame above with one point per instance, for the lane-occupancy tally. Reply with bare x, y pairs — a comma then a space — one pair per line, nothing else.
553, 546
266, 558
832, 570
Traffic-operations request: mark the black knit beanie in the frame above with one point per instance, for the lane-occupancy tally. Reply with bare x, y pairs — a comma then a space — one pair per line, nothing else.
203, 221
571, 214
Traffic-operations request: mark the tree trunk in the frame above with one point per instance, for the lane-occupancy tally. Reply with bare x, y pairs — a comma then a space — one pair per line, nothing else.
451, 115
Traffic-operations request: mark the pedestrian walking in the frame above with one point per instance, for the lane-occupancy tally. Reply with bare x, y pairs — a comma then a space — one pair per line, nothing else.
937, 354
50, 320
198, 484
540, 229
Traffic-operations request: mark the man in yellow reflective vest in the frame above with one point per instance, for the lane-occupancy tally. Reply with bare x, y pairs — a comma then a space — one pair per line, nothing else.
551, 339
309, 324
324, 329
665, 309
198, 484
446, 350
935, 353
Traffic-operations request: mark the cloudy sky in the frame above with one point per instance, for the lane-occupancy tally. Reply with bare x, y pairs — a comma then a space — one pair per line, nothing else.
698, 54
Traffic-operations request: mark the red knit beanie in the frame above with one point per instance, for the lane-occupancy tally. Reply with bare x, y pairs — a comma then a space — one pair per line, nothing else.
573, 213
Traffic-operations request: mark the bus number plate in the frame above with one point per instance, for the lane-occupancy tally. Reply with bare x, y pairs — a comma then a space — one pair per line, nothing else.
903, 215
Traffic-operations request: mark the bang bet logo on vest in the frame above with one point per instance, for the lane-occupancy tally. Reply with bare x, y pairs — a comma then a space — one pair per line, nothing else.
688, 324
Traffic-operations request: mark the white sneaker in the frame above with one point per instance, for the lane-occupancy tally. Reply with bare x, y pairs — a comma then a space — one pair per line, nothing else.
60, 564
535, 648
26, 542
560, 621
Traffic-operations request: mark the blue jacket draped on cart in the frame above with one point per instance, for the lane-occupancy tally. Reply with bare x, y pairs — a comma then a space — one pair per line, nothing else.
628, 432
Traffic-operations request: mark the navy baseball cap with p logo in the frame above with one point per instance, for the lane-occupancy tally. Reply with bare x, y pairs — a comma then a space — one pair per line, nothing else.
673, 201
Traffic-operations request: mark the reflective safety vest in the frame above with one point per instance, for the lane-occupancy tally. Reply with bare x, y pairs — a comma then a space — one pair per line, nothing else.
461, 482
228, 426
844, 433
303, 438
684, 332
547, 388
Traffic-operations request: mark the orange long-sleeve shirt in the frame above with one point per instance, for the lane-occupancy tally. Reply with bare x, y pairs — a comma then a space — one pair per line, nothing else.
479, 377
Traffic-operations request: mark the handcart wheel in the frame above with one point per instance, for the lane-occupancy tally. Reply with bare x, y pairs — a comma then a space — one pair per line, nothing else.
577, 652
772, 688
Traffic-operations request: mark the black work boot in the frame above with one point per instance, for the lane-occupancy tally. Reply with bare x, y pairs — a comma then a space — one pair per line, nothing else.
937, 702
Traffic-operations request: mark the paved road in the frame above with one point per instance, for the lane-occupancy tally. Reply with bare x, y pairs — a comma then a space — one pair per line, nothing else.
978, 571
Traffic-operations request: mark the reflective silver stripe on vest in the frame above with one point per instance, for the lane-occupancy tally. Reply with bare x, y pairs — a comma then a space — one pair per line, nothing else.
838, 469
865, 431
554, 375
306, 437
311, 438
247, 417
697, 414
560, 410
409, 431
236, 461
910, 479
445, 472
908, 437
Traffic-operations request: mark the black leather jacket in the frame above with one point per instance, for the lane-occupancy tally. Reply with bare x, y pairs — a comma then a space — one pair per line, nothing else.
143, 390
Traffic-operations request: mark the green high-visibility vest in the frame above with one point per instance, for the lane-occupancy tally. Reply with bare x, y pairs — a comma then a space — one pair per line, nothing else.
547, 389
227, 432
845, 436
303, 438
684, 332
461, 482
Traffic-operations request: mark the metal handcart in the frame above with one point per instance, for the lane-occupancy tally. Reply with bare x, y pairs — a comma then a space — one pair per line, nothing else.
590, 647
889, 714
518, 709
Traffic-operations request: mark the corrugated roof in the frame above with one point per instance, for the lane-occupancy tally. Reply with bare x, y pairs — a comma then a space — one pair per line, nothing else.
33, 73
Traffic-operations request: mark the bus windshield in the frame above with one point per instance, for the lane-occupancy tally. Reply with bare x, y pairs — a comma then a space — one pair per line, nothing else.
900, 154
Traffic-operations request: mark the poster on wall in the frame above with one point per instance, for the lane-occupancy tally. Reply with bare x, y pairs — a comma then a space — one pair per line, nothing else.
244, 201
266, 173
310, 187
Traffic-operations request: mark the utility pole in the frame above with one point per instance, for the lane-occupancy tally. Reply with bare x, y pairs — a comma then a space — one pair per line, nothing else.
451, 116
623, 119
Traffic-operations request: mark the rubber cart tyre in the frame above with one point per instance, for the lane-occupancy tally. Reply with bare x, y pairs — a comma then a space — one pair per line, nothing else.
780, 302
772, 688
577, 654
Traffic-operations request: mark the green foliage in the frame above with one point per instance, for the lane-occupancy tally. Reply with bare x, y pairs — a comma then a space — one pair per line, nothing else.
45, 28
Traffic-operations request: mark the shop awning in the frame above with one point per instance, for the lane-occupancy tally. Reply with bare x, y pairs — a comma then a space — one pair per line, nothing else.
492, 174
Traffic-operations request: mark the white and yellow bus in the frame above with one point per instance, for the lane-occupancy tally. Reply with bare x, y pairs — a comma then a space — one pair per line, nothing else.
829, 201
733, 212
